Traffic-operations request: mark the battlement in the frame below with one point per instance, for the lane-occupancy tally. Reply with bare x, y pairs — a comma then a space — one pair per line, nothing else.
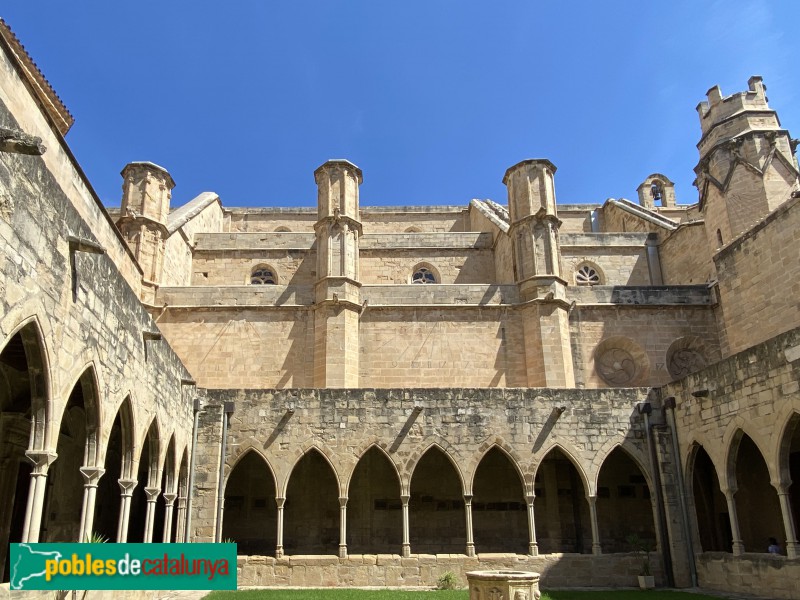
718, 107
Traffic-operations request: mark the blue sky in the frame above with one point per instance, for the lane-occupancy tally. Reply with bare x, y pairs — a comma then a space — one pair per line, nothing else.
433, 99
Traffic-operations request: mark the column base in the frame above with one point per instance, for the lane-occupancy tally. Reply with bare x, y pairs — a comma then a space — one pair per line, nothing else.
342, 551
279, 552
471, 550
533, 549
597, 549
738, 548
406, 551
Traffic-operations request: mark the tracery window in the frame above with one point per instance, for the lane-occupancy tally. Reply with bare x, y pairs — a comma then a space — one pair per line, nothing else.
263, 275
423, 275
587, 275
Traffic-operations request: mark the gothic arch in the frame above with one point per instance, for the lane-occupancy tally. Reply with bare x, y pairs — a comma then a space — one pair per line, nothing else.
128, 430
326, 455
524, 480
630, 450
571, 454
152, 437
352, 468
789, 417
90, 388
700, 440
248, 446
731, 440
32, 331
414, 459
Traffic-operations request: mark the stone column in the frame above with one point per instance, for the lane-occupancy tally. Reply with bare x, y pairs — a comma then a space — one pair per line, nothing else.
406, 551
180, 534
279, 544
738, 544
170, 502
337, 307
468, 515
91, 475
152, 496
533, 546
343, 527
596, 547
792, 547
33, 512
536, 256
126, 487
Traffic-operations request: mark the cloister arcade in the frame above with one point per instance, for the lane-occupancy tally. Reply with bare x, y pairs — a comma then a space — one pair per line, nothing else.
430, 508
739, 502
62, 478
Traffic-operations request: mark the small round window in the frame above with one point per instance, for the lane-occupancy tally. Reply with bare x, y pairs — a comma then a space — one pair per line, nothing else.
423, 275
263, 276
587, 275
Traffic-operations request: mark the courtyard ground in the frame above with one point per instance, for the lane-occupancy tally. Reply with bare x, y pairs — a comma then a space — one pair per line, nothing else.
360, 594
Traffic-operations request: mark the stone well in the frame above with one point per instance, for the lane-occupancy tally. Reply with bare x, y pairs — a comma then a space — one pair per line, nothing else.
503, 585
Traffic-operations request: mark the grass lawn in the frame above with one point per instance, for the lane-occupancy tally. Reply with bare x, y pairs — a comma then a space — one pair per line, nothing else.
348, 594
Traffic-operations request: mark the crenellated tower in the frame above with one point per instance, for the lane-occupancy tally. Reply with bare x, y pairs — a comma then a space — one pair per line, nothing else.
337, 292
146, 193
747, 165
537, 269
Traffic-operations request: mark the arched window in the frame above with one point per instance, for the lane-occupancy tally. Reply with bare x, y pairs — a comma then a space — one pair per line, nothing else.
423, 275
587, 274
263, 275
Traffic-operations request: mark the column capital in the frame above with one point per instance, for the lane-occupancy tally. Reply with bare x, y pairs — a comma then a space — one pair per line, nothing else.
468, 499
280, 501
170, 498
342, 501
41, 459
126, 486
152, 493
404, 498
91, 475
529, 498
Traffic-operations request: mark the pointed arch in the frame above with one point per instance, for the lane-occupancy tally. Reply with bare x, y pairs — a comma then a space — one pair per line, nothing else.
38, 366
375, 520
128, 433
731, 440
625, 501
562, 490
757, 505
513, 458
324, 453
790, 427
311, 521
90, 392
152, 439
499, 506
250, 511
436, 507
631, 451
250, 445
710, 507
572, 455
373, 445
442, 446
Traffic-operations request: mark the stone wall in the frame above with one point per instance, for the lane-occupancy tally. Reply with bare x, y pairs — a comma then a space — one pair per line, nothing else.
644, 335
283, 425
759, 281
397, 219
178, 252
87, 315
757, 574
557, 570
64, 171
684, 255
